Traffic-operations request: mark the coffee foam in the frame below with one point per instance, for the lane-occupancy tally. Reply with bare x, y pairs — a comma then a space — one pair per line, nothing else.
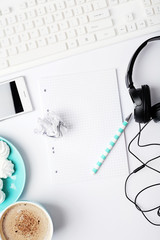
25, 221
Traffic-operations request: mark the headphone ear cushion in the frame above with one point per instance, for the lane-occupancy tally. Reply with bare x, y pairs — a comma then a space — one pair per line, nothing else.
146, 102
142, 100
142, 111
138, 110
155, 112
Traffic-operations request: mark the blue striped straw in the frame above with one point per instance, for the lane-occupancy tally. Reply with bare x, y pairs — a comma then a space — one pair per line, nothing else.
111, 145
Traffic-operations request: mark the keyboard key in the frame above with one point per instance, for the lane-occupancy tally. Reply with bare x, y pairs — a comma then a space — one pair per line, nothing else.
3, 64
97, 15
72, 44
53, 28
3, 53
4, 42
68, 13
6, 11
43, 31
81, 30
31, 3
122, 1
78, 11
79, 2
9, 31
71, 33
24, 36
38, 22
149, 11
51, 39
113, 2
121, 29
63, 25
34, 34
40, 11
50, 8
129, 17
87, 8
155, 1
12, 51
28, 25
21, 17
131, 27
83, 19
3, 22
102, 35
31, 44
11, 19
70, 3
141, 24
19, 27
157, 9
153, 21
58, 16
60, 5
22, 48
48, 19
90, 38
61, 36
73, 22
41, 42
14, 39
31, 14
41, 1
1, 33
96, 26
146, 3
99, 4
23, 5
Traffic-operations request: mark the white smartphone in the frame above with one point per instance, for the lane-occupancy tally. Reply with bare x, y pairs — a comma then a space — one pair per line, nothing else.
14, 98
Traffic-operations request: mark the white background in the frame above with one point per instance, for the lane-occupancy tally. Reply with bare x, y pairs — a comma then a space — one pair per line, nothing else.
92, 210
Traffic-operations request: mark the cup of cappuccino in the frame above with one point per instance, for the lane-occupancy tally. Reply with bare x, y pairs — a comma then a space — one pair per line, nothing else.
25, 221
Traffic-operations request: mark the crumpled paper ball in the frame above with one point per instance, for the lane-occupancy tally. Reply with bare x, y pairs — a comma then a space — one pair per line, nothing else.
51, 125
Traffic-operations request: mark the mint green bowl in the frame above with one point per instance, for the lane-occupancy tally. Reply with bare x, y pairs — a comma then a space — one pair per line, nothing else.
13, 186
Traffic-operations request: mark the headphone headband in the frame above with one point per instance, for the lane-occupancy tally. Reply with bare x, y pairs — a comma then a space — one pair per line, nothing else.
129, 81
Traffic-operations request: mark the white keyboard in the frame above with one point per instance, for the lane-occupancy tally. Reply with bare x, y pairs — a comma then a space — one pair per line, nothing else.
41, 31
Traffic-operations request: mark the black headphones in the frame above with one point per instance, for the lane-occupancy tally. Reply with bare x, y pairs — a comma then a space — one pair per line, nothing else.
143, 112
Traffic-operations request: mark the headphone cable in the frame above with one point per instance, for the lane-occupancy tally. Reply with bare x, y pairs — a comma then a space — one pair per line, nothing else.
140, 168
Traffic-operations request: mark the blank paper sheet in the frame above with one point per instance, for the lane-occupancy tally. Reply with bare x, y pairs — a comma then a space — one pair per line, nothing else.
89, 104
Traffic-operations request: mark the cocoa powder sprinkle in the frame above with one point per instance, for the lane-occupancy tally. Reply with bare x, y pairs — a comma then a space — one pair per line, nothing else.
26, 223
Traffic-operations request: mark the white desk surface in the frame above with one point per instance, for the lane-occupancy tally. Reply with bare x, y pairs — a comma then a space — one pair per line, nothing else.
87, 211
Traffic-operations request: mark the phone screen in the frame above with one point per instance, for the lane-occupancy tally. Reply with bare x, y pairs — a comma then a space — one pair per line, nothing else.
11, 100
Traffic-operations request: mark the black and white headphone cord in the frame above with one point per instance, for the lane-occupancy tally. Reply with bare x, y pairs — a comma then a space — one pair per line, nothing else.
143, 211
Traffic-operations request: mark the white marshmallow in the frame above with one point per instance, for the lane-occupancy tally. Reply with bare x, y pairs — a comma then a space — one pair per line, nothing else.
6, 168
2, 196
1, 184
4, 150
